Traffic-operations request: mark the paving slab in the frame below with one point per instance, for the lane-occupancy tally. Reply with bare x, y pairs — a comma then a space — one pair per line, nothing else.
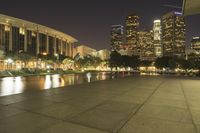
60, 111
152, 125
26, 123
66, 127
165, 113
131, 99
137, 104
6, 111
167, 101
32, 104
118, 106
6, 100
196, 116
102, 119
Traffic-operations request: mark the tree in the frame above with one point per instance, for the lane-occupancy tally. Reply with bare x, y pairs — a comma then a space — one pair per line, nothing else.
146, 63
115, 59
134, 61
25, 57
68, 63
166, 62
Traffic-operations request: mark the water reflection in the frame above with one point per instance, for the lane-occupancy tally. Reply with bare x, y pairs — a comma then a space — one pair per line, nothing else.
11, 85
89, 76
15, 85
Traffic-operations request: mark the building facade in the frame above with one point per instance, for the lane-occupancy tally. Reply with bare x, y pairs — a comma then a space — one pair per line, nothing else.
103, 54
146, 45
195, 44
132, 25
17, 35
157, 38
116, 37
173, 34
84, 50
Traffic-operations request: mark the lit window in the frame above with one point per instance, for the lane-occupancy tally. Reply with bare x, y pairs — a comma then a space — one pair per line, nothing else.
33, 34
7, 28
22, 31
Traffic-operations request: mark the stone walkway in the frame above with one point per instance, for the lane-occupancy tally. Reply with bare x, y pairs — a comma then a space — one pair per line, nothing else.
139, 104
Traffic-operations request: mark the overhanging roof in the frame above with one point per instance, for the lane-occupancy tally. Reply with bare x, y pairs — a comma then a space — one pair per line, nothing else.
35, 27
191, 7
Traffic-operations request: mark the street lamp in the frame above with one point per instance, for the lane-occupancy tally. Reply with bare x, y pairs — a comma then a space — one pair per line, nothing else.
57, 59
9, 61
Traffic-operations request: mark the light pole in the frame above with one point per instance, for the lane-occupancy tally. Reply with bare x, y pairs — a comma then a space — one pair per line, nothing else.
9, 61
57, 58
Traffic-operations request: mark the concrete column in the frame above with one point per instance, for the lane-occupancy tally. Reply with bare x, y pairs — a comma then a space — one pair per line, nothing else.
67, 49
70, 50
54, 46
66, 52
25, 40
10, 39
61, 47
47, 44
38, 43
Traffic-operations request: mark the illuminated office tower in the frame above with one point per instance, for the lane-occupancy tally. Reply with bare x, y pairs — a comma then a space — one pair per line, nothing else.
132, 25
145, 41
116, 37
157, 38
173, 34
195, 44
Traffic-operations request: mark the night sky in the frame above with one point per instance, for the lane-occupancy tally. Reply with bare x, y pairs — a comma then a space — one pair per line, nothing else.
89, 21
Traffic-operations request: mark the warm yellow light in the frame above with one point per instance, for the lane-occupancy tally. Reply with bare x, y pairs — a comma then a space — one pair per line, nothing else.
44, 53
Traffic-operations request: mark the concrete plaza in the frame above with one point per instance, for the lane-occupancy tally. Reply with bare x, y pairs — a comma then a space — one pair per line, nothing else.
137, 104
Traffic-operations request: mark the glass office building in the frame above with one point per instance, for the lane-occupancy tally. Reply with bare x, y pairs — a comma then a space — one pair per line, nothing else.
132, 25
157, 38
173, 34
116, 37
195, 44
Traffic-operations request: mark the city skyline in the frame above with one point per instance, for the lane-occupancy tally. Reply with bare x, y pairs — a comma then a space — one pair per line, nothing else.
90, 21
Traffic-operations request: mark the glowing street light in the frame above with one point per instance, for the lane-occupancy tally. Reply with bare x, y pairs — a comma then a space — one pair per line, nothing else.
9, 61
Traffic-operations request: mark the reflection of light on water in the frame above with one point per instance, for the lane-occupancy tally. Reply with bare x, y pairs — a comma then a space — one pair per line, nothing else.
149, 74
53, 81
47, 82
89, 77
11, 86
71, 79
103, 76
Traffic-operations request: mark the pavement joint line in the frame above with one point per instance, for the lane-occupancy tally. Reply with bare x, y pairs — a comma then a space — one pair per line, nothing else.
61, 120
141, 105
88, 126
188, 107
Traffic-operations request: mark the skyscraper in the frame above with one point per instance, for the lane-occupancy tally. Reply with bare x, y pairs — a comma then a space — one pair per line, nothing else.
116, 37
132, 25
145, 42
173, 34
157, 38
195, 44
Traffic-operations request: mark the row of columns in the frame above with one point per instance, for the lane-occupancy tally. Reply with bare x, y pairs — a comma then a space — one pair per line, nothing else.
68, 51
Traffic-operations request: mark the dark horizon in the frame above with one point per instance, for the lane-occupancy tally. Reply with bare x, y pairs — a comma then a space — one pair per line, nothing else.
89, 21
